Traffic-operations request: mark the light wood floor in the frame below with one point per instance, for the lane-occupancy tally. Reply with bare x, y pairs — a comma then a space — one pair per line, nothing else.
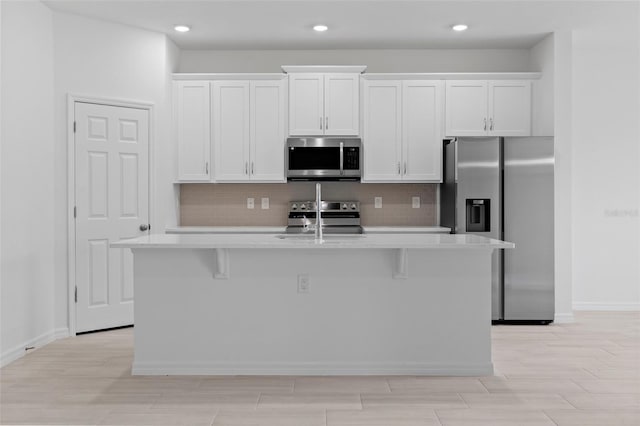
584, 373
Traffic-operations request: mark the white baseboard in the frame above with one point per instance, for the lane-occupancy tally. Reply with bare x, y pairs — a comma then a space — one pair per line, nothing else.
61, 333
611, 306
312, 369
563, 318
19, 351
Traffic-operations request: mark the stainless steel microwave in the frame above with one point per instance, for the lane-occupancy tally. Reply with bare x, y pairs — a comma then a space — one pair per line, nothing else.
335, 158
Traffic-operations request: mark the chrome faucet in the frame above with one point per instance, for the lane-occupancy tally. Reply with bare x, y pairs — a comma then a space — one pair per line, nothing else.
318, 229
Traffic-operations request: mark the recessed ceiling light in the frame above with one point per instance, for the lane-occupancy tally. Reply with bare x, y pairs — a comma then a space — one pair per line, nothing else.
320, 28
459, 27
181, 28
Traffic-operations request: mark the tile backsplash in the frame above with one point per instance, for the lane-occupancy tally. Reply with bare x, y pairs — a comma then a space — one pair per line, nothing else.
226, 204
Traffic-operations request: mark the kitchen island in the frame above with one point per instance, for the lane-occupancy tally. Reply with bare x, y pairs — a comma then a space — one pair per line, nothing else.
245, 304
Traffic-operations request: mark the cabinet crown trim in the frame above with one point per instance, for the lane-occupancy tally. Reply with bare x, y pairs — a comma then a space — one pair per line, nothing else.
324, 68
228, 76
454, 76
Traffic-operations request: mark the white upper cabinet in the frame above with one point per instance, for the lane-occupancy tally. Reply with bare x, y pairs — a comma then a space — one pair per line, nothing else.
466, 103
402, 134
382, 133
249, 130
192, 112
268, 121
323, 104
341, 104
488, 108
231, 127
306, 104
510, 108
422, 130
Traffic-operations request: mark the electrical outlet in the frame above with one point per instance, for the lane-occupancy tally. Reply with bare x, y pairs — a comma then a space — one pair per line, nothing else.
377, 202
415, 202
250, 203
265, 203
303, 283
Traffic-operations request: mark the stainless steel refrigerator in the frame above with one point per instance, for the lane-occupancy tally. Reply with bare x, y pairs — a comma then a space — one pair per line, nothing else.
503, 188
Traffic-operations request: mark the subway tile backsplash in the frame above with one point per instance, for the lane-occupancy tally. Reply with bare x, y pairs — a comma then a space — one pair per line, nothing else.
226, 204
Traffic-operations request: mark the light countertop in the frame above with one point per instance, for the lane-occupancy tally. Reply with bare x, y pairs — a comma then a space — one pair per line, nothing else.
292, 241
281, 229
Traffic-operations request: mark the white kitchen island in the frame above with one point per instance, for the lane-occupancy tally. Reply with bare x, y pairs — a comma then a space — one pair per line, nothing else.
231, 304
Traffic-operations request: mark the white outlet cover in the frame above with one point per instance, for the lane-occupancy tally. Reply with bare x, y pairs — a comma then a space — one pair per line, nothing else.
415, 202
377, 202
265, 203
303, 283
250, 203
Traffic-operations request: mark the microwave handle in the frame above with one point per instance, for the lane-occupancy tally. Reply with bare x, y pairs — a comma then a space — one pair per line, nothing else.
341, 158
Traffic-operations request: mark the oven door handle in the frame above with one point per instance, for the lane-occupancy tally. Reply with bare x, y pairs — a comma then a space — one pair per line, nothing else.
341, 158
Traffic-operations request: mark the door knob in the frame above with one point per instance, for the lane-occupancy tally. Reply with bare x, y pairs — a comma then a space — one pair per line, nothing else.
144, 227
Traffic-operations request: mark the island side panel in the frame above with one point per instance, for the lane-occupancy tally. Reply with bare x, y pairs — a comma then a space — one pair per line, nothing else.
356, 319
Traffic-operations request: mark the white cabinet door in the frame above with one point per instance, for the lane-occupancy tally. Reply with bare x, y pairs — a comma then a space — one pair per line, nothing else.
422, 131
382, 131
268, 108
510, 108
466, 105
306, 111
193, 129
341, 104
231, 130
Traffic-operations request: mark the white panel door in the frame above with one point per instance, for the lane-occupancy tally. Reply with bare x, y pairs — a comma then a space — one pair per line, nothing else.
466, 108
306, 111
382, 131
422, 131
193, 130
112, 203
231, 115
268, 109
510, 108
341, 104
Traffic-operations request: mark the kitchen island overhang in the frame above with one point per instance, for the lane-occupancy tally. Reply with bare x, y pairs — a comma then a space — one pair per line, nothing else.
376, 304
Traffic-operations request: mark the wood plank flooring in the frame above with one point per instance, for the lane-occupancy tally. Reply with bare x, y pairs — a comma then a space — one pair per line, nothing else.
583, 373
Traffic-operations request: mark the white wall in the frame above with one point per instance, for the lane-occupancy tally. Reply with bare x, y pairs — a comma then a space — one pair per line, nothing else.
605, 181
101, 59
377, 60
542, 60
27, 270
563, 220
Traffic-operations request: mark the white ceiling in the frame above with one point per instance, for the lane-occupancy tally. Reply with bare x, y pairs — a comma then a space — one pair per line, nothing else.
381, 24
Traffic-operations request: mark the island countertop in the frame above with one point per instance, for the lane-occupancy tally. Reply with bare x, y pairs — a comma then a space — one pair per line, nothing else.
332, 241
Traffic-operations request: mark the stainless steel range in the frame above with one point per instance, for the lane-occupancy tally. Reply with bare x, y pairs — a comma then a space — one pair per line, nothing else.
338, 217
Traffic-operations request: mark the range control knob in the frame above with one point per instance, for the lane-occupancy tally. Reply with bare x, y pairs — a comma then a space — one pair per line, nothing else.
294, 206
344, 206
303, 206
353, 206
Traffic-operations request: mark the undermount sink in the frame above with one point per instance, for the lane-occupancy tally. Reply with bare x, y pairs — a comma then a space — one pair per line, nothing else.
325, 238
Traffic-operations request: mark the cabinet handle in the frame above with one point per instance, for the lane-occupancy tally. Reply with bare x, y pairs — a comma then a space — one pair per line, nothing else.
326, 123
206, 167
320, 123
491, 124
246, 168
398, 167
485, 124
405, 167
252, 168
